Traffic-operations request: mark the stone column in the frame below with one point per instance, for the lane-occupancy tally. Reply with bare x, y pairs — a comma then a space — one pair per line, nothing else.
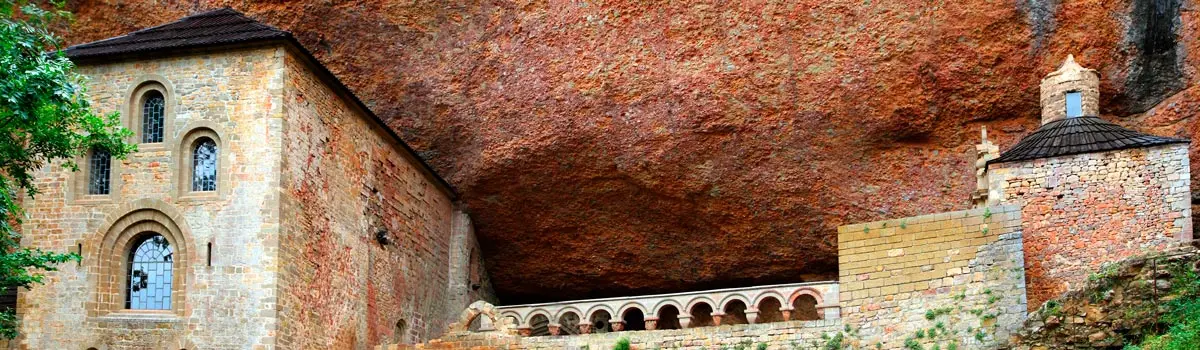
617, 325
554, 329
717, 318
751, 315
685, 321
651, 323
524, 331
585, 328
787, 313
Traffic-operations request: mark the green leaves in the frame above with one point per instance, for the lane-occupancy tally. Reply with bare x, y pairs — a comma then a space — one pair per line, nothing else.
44, 117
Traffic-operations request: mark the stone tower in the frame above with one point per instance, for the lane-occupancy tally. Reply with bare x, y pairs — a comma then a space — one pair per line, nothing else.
1065, 87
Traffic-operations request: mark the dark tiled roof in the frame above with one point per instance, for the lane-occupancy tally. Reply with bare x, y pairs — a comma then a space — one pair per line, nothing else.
1079, 135
216, 27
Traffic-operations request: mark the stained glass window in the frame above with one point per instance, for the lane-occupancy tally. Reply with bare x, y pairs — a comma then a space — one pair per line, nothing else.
152, 117
150, 274
204, 165
99, 169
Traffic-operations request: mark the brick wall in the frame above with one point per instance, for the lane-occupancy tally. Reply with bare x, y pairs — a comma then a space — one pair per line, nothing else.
230, 304
962, 268
1084, 210
344, 180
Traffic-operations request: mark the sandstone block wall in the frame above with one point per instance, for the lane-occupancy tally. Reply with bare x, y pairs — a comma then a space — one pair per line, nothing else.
957, 272
230, 303
780, 335
1081, 211
344, 180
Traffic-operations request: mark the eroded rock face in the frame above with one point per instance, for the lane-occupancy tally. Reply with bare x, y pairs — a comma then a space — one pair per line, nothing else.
622, 147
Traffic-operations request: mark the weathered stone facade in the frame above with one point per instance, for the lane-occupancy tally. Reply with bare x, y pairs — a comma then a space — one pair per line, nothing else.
960, 269
1083, 210
344, 180
230, 302
286, 253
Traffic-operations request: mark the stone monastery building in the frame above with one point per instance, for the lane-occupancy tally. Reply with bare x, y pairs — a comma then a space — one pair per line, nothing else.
267, 207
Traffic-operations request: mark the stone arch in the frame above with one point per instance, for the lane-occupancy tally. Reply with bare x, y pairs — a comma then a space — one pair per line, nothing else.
770, 309
600, 316
107, 249
132, 115
769, 294
529, 317
701, 299
668, 302
564, 310
816, 294
668, 316
482, 316
731, 297
568, 322
539, 324
630, 305
185, 150
734, 312
805, 305
701, 312
597, 308
634, 318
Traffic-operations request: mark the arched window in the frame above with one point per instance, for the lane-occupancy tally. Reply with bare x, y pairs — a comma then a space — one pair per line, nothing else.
150, 274
153, 110
204, 165
99, 171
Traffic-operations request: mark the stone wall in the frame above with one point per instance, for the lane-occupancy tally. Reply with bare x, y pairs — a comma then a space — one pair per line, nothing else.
781, 335
957, 273
345, 180
1081, 211
229, 303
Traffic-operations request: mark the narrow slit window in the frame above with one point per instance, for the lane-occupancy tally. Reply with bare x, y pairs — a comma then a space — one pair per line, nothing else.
152, 117
99, 171
1074, 104
204, 165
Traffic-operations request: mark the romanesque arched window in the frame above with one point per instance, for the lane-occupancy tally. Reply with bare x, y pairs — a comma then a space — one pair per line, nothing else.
99, 172
150, 274
204, 165
153, 114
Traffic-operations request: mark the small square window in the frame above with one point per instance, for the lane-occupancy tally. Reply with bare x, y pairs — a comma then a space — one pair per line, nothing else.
1074, 104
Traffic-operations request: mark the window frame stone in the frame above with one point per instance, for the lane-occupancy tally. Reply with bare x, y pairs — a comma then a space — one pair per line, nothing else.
185, 150
106, 258
80, 195
133, 112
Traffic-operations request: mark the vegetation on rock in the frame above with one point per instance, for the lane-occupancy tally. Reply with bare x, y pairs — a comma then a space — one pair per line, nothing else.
1143, 303
44, 117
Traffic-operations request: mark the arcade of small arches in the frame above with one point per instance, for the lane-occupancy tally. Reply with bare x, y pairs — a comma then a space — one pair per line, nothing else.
763, 304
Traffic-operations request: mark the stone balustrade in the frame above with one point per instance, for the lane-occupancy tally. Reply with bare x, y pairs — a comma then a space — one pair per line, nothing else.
761, 304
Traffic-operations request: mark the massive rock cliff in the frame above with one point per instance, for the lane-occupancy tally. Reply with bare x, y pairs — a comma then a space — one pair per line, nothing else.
619, 147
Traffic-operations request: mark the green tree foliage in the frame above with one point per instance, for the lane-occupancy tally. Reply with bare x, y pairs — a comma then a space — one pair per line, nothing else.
45, 118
